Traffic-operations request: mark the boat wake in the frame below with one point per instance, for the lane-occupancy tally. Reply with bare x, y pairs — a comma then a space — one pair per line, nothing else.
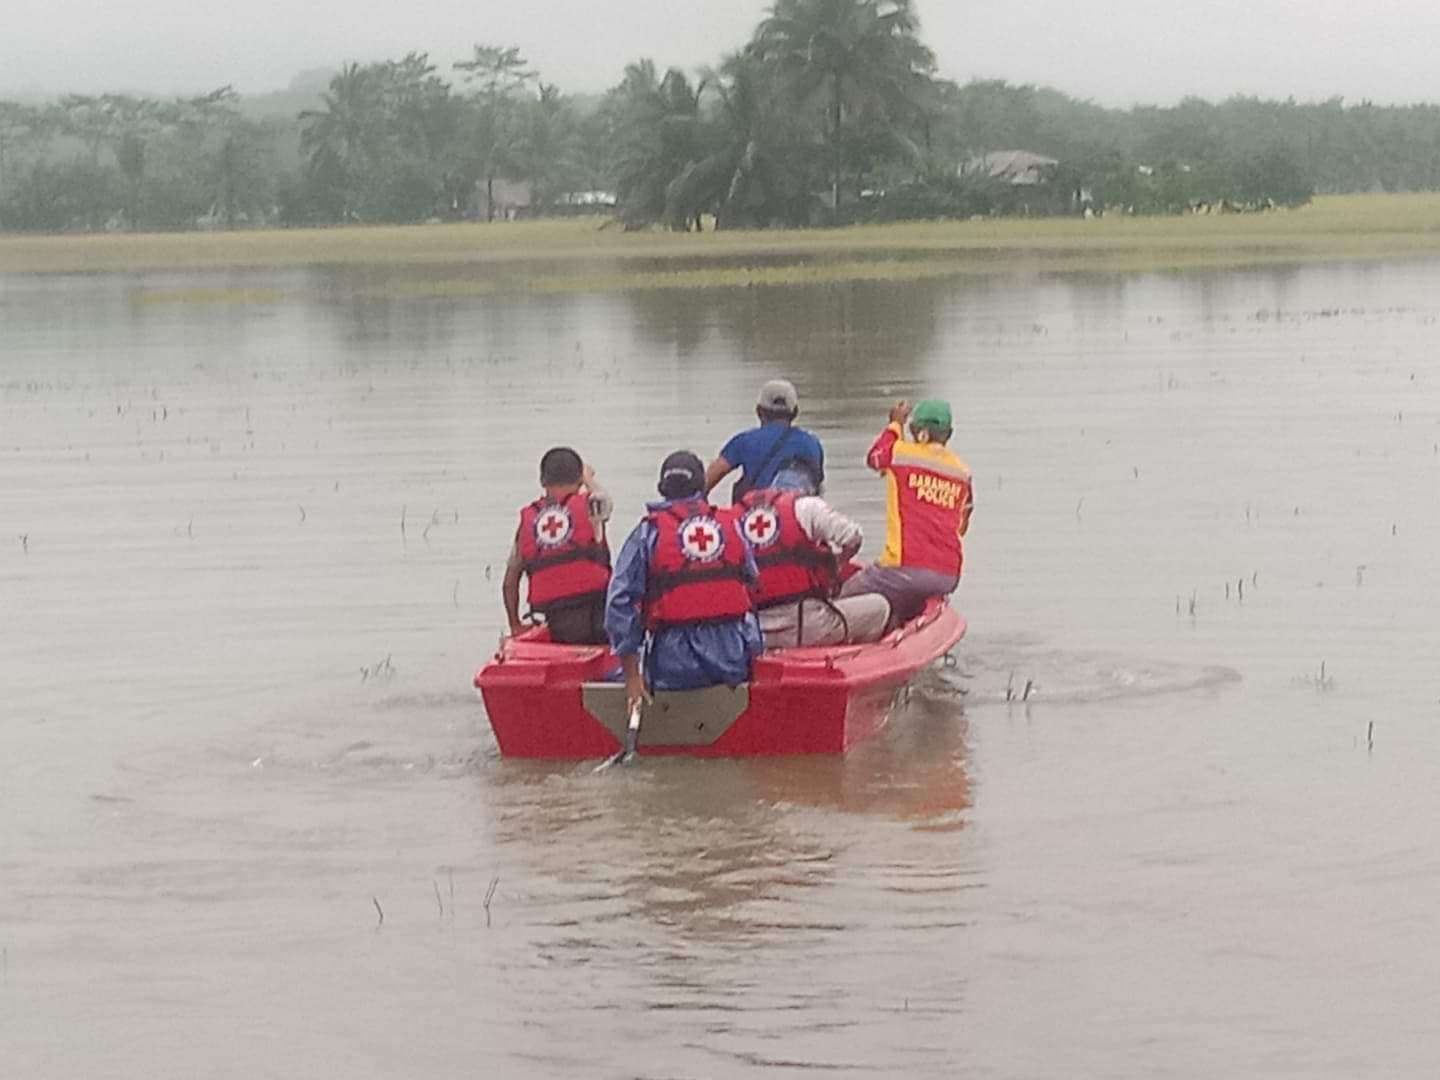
1018, 672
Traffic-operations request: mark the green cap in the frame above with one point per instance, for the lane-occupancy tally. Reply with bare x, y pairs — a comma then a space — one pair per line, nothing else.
931, 414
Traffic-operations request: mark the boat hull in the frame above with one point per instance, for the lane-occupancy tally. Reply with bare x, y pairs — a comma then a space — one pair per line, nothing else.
561, 701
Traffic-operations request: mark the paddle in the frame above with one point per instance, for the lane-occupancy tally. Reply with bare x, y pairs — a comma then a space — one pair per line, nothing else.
628, 752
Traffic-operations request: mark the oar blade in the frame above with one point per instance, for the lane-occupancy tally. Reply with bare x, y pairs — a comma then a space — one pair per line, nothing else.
613, 759
631, 750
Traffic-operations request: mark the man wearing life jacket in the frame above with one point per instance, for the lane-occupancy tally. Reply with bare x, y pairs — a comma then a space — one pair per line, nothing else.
560, 546
799, 541
761, 452
678, 610
929, 498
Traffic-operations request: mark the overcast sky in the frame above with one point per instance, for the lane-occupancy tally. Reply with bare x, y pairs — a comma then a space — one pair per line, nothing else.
1117, 52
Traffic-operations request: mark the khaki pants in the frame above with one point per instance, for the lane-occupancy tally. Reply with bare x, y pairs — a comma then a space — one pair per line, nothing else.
849, 620
906, 588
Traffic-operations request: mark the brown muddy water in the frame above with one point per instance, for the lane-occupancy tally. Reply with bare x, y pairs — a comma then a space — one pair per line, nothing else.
251, 531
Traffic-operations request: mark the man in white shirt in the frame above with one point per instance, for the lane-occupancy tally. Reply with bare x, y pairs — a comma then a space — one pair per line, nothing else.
809, 619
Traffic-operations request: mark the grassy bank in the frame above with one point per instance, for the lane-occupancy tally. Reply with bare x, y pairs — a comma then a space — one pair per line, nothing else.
584, 256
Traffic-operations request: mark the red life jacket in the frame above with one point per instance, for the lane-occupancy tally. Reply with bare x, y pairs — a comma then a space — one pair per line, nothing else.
792, 566
564, 559
697, 571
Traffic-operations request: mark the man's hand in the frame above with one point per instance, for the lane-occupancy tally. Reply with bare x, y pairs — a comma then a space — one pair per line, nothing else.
635, 692
635, 695
518, 627
587, 476
900, 412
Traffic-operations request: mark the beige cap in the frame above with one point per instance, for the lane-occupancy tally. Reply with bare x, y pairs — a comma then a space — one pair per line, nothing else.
779, 395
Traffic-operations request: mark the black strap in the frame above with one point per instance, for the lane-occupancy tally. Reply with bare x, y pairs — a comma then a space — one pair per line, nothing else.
776, 601
583, 599
662, 583
800, 617
597, 553
800, 555
746, 484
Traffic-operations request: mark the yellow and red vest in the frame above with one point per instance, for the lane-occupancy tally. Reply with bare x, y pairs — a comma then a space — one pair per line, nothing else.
928, 499
565, 560
792, 566
697, 570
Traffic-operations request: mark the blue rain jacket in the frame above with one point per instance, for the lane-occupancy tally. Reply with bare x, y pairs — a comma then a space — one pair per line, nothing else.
676, 657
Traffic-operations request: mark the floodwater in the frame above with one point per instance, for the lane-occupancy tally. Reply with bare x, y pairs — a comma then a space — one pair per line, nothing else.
253, 822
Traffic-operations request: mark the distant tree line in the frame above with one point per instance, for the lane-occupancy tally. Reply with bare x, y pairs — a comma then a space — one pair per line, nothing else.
117, 161
831, 112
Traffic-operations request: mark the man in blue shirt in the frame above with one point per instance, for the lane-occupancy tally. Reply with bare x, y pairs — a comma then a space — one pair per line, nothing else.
677, 611
763, 451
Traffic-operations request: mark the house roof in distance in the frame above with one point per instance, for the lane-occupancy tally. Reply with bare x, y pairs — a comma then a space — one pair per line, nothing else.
1012, 166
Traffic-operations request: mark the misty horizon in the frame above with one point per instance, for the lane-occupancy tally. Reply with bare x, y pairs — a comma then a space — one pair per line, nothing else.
1133, 56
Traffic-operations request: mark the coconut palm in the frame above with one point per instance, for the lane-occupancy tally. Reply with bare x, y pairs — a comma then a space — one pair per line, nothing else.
658, 132
547, 147
499, 78
340, 140
853, 61
756, 170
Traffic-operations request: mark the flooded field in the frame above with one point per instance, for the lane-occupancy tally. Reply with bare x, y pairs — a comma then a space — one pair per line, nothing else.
253, 823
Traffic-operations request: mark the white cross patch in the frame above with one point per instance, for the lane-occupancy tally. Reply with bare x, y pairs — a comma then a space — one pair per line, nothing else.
553, 527
701, 539
761, 526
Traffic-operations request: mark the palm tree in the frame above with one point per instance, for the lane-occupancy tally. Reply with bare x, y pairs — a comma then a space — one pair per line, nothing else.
339, 140
658, 131
500, 77
852, 59
546, 148
752, 175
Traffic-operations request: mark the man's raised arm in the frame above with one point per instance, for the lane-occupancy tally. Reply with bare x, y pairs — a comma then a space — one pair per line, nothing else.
883, 448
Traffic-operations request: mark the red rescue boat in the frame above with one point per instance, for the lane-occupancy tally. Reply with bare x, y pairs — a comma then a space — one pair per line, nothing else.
557, 701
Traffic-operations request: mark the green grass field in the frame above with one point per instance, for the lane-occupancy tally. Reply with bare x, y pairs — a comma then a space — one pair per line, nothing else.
579, 255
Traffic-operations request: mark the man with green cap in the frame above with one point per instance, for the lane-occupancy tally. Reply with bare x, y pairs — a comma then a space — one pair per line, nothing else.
929, 498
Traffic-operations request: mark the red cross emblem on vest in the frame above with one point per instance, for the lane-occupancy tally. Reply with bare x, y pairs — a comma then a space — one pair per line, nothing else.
761, 526
701, 539
553, 527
